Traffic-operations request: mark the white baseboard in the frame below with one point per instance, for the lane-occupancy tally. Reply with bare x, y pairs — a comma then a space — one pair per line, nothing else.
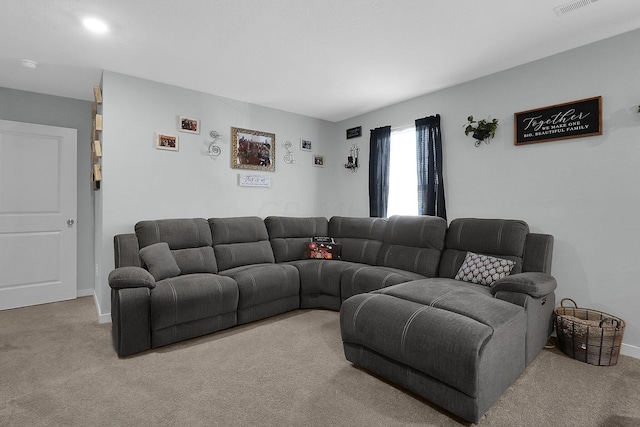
84, 293
630, 350
102, 317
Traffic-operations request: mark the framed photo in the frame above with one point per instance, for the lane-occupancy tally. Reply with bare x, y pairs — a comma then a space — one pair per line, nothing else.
166, 142
318, 161
186, 124
252, 149
305, 144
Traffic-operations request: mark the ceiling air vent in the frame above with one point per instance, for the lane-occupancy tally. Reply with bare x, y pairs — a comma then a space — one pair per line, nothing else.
571, 6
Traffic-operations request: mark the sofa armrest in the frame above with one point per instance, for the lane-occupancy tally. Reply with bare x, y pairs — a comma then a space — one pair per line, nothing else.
131, 277
534, 284
130, 320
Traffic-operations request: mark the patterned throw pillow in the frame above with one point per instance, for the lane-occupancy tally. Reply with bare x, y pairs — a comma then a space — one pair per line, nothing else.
483, 269
322, 248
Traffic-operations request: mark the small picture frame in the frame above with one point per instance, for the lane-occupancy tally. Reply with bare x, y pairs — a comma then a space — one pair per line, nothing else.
318, 161
188, 125
305, 144
166, 142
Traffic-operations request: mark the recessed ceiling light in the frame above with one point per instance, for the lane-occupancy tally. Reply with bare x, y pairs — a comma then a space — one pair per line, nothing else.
28, 63
95, 25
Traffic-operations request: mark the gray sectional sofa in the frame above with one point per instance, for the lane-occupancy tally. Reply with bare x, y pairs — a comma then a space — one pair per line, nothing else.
410, 311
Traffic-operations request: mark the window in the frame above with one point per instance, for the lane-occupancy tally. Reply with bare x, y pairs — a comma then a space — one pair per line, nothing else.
403, 175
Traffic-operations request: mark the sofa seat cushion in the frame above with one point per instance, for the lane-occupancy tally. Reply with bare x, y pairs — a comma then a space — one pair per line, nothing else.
191, 297
261, 283
450, 333
361, 278
320, 276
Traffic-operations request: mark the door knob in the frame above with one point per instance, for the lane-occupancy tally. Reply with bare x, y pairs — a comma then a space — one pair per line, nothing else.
70, 222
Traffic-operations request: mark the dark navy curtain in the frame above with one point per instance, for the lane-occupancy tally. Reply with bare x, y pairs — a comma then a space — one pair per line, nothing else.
429, 159
379, 147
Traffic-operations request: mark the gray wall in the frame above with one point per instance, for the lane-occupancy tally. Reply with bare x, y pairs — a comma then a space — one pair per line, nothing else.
141, 182
50, 110
584, 191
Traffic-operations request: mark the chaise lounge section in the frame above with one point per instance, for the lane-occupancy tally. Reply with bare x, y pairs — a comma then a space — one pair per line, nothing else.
458, 344
404, 313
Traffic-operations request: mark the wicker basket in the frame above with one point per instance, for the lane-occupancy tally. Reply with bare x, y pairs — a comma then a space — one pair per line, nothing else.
588, 335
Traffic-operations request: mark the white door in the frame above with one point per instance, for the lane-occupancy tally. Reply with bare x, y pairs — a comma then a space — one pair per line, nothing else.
38, 204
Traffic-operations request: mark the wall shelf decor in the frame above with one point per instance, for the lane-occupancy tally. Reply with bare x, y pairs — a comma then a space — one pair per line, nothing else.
352, 159
288, 158
97, 94
98, 120
96, 144
96, 176
214, 150
96, 150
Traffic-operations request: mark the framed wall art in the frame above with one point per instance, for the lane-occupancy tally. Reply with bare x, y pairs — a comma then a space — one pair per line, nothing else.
355, 132
318, 160
186, 124
562, 121
252, 149
166, 142
305, 144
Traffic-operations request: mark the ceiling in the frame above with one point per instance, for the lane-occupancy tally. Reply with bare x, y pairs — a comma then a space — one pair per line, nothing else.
329, 59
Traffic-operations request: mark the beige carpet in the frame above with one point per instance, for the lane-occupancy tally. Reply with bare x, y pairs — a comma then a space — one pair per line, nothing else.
57, 367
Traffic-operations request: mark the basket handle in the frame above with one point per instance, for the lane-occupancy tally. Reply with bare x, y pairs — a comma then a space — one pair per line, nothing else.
568, 299
612, 320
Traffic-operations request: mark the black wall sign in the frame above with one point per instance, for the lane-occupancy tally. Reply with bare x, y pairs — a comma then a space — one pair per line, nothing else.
354, 132
570, 120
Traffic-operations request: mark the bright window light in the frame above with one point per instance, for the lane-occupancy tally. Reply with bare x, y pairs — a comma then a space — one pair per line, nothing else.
95, 25
403, 174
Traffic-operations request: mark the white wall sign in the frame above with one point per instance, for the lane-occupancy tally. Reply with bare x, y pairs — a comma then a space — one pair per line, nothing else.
254, 181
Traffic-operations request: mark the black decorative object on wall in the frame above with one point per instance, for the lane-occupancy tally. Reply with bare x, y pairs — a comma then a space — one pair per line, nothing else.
355, 132
352, 159
562, 121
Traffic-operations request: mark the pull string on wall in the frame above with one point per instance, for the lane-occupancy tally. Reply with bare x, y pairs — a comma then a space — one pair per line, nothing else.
288, 158
213, 149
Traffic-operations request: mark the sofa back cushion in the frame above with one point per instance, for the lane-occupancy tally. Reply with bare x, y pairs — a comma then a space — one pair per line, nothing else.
500, 238
289, 235
240, 241
361, 238
413, 243
189, 240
